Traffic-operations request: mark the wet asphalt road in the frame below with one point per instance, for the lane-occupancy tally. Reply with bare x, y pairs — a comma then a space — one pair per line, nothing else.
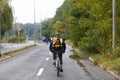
36, 64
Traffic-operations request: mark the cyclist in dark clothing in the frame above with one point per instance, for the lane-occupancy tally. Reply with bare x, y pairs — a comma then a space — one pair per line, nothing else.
61, 47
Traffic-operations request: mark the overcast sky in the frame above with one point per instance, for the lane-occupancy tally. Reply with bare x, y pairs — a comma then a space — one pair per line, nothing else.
24, 9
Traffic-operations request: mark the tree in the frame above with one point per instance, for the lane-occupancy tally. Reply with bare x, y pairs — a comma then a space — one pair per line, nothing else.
59, 27
6, 16
88, 22
46, 27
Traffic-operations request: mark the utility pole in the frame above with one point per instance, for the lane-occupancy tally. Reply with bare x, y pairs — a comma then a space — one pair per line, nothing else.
18, 31
0, 27
114, 25
40, 24
34, 24
34, 12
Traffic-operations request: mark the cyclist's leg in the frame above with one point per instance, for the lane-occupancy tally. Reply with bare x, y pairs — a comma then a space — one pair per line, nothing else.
54, 57
60, 57
61, 62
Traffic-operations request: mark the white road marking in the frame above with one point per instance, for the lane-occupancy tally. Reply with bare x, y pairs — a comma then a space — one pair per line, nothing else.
40, 72
47, 58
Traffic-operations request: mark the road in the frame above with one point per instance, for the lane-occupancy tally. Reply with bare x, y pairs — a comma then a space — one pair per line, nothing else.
36, 64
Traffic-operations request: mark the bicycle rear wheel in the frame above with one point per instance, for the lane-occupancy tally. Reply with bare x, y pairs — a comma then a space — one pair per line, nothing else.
58, 68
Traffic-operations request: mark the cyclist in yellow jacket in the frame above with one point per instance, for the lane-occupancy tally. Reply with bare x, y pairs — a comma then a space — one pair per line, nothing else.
58, 44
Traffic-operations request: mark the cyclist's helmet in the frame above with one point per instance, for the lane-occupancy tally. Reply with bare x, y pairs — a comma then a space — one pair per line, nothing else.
57, 34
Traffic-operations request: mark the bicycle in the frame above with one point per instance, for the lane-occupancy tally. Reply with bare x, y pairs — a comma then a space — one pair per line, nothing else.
57, 63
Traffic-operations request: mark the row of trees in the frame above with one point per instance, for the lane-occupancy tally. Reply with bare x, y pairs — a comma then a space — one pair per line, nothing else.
34, 31
9, 31
88, 23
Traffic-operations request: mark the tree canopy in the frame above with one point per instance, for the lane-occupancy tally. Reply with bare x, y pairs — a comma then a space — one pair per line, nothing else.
88, 23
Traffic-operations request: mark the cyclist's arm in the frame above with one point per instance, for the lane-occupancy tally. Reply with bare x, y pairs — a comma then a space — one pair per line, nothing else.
50, 47
64, 47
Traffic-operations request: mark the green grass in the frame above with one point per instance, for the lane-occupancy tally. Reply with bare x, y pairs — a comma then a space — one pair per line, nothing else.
112, 65
109, 61
74, 56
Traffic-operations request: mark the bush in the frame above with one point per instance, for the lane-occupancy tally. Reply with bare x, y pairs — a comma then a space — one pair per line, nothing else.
100, 58
5, 40
16, 39
87, 45
13, 39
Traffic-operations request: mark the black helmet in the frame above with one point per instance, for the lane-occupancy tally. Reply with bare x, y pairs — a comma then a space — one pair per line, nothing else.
57, 34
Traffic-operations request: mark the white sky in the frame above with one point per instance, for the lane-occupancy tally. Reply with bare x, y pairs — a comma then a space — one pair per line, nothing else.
24, 9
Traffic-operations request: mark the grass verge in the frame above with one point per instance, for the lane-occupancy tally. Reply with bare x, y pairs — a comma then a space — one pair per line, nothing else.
13, 53
108, 61
76, 57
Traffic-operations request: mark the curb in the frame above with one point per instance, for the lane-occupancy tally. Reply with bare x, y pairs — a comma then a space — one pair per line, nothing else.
114, 74
111, 72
